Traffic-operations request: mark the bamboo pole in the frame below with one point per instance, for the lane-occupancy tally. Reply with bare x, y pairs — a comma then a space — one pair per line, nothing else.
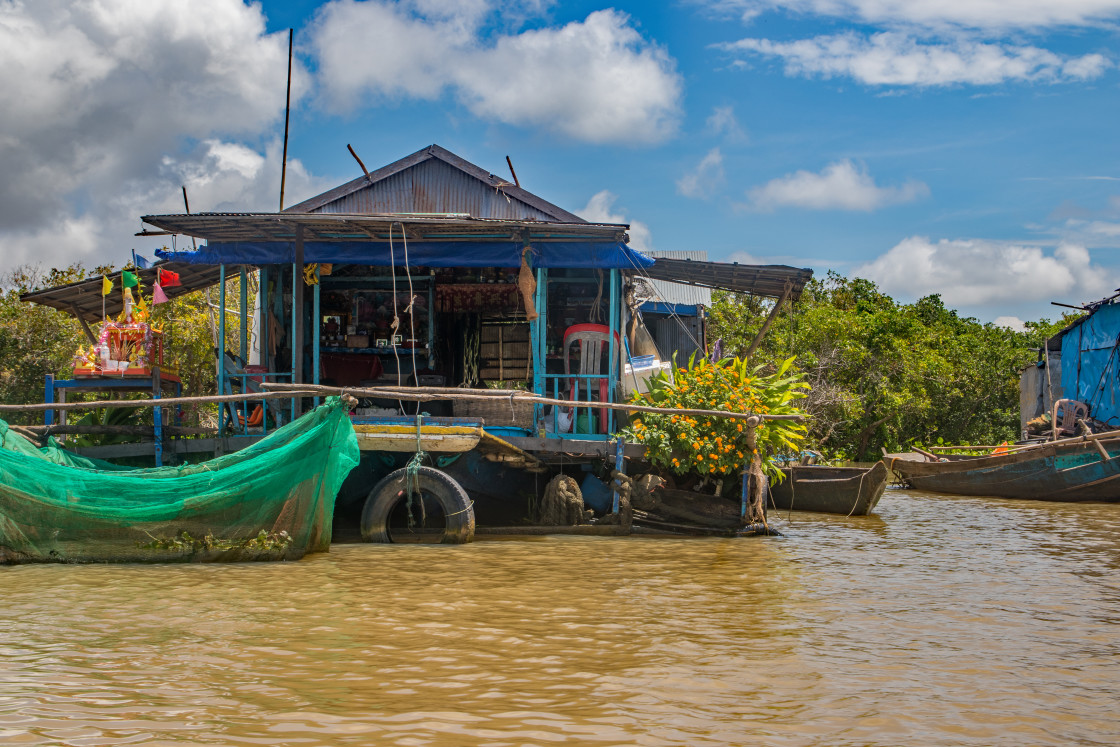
421, 394
94, 404
118, 430
1113, 435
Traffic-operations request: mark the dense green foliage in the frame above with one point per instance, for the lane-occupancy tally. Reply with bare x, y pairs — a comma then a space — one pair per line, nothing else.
716, 445
37, 340
887, 374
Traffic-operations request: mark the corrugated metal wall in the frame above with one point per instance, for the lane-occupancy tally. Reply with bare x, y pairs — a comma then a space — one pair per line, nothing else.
671, 336
434, 187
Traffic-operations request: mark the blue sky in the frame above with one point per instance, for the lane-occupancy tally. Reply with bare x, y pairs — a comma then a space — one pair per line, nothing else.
961, 147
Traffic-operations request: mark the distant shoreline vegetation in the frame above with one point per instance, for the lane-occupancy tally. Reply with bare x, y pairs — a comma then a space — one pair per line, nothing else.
886, 374
883, 373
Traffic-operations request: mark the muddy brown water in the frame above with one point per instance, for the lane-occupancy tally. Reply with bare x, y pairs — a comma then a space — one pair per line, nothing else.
938, 620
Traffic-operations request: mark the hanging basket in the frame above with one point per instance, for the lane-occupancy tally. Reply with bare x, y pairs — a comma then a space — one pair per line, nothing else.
496, 412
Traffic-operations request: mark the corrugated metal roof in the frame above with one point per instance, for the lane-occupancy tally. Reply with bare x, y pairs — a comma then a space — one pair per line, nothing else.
353, 227
83, 298
435, 180
760, 280
679, 293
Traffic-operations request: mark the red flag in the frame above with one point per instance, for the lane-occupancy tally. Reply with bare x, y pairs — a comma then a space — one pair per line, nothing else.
167, 278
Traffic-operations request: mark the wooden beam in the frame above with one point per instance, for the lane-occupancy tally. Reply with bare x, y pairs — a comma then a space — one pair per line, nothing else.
85, 325
769, 319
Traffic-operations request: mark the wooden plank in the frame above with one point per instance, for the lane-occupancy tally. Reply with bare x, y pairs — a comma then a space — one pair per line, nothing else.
583, 447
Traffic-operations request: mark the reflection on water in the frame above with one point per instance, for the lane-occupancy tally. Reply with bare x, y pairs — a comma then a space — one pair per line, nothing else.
939, 621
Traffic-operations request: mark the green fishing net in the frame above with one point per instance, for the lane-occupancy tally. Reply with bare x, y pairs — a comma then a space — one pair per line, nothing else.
273, 500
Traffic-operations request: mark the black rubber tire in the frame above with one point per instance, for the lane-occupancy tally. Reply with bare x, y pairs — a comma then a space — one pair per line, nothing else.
458, 511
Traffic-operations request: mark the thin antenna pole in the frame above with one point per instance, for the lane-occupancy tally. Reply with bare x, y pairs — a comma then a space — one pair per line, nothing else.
187, 205
513, 172
287, 115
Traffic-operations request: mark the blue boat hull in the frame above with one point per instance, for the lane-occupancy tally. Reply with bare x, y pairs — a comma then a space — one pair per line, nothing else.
1059, 472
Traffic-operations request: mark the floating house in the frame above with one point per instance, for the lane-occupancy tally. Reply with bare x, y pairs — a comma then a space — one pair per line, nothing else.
1080, 364
434, 272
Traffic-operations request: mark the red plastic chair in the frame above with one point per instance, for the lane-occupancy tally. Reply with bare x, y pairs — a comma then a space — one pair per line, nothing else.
591, 339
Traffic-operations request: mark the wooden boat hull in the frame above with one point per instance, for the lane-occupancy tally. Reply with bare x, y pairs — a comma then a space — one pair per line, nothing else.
1068, 472
852, 491
440, 435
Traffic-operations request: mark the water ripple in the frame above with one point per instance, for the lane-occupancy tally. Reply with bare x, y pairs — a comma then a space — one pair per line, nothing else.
941, 620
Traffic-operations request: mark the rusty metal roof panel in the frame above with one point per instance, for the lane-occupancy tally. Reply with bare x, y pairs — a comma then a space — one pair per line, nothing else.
760, 280
83, 298
434, 180
433, 186
680, 294
351, 227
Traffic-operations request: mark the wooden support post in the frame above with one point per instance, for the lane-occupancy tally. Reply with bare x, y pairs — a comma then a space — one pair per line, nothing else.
48, 396
620, 466
85, 324
315, 325
221, 341
754, 499
157, 416
769, 320
243, 278
297, 309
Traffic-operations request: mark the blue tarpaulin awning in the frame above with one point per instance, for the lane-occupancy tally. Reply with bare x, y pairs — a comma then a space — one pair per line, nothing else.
597, 254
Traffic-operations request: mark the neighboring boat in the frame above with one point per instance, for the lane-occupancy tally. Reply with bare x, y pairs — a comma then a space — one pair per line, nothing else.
271, 501
852, 491
1068, 470
402, 434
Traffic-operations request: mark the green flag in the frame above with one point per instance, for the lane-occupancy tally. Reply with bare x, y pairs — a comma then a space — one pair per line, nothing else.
128, 280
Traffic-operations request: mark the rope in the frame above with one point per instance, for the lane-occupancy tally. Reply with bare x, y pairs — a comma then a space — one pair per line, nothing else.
412, 476
462, 510
411, 300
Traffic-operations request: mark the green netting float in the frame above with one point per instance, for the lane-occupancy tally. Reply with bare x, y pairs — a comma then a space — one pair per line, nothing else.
271, 501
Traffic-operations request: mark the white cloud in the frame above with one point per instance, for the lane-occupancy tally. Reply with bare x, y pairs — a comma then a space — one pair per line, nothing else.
705, 178
218, 176
972, 14
597, 80
840, 186
94, 95
974, 272
723, 122
1104, 228
600, 209
1011, 322
897, 59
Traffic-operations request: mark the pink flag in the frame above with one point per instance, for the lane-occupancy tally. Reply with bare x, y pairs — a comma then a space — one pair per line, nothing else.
158, 296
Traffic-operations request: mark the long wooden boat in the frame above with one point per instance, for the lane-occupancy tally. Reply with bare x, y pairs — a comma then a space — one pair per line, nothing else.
402, 434
1071, 470
271, 501
853, 491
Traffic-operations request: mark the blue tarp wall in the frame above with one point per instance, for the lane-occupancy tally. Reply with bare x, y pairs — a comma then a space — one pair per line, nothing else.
601, 254
1091, 364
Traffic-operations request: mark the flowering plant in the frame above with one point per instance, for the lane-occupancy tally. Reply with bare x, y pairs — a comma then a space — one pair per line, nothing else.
712, 446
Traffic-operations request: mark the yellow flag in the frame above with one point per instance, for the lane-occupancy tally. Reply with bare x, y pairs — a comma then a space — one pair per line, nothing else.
106, 285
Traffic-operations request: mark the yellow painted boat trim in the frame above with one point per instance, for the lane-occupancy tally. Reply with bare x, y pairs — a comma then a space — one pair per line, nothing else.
440, 438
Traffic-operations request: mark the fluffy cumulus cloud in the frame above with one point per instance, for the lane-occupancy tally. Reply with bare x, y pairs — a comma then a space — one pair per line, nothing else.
596, 80
95, 95
897, 59
973, 272
971, 14
705, 178
1011, 322
600, 209
839, 186
723, 121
